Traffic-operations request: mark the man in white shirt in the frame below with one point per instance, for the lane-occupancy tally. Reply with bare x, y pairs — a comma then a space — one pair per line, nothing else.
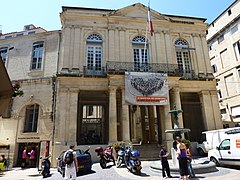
70, 159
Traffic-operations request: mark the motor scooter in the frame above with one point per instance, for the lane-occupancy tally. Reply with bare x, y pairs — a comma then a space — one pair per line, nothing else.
121, 156
106, 156
132, 160
45, 167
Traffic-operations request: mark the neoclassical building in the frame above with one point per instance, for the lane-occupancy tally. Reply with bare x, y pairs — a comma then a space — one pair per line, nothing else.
108, 56
114, 81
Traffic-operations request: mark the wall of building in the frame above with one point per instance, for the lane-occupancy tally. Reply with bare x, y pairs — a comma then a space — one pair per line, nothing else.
223, 34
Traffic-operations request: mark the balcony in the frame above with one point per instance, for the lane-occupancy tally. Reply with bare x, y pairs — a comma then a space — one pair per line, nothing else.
113, 67
170, 69
94, 71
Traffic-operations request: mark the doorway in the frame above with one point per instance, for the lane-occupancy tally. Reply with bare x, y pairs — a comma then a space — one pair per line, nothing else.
29, 146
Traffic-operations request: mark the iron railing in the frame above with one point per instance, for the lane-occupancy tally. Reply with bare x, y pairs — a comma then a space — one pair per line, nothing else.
93, 71
171, 69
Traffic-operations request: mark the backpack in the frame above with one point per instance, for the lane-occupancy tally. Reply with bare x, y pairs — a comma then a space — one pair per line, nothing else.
68, 157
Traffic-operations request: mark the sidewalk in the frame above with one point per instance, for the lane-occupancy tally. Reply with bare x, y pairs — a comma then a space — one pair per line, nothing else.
207, 170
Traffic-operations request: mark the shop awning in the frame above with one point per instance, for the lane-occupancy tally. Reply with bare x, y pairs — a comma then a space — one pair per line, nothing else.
6, 90
236, 111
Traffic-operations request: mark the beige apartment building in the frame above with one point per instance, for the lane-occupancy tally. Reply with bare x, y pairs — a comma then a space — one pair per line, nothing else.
223, 40
30, 58
116, 82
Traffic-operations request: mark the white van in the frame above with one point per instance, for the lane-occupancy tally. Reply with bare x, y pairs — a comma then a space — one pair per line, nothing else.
228, 151
211, 139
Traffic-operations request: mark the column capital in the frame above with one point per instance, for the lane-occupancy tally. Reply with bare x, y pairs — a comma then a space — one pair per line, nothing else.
112, 88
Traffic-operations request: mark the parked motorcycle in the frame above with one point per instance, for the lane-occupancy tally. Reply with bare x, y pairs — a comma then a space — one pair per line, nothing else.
45, 171
106, 156
132, 160
121, 156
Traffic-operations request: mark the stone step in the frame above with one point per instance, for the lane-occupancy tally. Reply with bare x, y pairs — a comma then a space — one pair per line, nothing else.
148, 151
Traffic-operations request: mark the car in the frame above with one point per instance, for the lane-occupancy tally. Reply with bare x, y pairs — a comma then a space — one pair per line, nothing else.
84, 162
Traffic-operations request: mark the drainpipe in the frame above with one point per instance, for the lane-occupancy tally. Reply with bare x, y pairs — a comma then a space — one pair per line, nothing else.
54, 88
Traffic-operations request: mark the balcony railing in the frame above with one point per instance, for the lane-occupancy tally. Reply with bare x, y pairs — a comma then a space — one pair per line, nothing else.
171, 69
93, 71
113, 67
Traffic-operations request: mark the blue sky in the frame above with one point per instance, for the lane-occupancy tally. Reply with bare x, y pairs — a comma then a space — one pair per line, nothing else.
14, 14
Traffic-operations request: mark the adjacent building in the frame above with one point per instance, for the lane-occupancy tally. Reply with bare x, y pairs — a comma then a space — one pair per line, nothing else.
30, 58
223, 38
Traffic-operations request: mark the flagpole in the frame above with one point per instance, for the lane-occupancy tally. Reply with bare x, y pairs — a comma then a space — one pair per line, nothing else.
145, 43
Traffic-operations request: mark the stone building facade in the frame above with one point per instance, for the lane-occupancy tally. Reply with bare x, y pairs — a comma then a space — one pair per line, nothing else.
85, 104
98, 48
30, 57
223, 40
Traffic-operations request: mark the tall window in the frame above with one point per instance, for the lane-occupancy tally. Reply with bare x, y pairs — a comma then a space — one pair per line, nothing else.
94, 52
236, 47
3, 53
37, 56
31, 118
183, 58
140, 53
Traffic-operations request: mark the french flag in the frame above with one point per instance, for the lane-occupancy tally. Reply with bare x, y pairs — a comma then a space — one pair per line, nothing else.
150, 20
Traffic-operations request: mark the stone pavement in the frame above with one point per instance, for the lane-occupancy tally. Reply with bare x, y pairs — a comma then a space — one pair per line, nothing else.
121, 173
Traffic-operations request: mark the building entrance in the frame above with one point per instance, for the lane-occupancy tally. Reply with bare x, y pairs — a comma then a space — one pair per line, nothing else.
30, 146
92, 126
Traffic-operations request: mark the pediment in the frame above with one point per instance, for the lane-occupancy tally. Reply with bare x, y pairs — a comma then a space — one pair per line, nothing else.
138, 10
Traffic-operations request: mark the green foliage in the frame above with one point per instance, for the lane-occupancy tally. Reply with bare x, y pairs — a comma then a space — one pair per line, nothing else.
118, 144
186, 142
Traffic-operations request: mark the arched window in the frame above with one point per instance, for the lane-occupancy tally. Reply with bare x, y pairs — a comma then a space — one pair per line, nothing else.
140, 53
183, 58
37, 56
31, 118
94, 53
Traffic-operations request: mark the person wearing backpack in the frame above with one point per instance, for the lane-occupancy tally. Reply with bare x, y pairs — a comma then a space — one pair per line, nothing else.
70, 159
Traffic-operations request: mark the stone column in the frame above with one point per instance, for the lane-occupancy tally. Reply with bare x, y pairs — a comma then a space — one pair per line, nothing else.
66, 47
216, 110
168, 140
199, 52
205, 53
151, 122
76, 52
111, 44
73, 109
208, 112
125, 119
168, 47
143, 124
177, 100
122, 45
112, 115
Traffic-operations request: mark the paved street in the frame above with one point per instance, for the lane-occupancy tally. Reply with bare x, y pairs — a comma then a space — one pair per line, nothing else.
117, 174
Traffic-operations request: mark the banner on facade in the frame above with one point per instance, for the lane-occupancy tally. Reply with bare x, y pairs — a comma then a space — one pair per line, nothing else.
143, 88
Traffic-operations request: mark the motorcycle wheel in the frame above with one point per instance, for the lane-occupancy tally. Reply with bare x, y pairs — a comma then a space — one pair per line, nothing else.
103, 163
119, 162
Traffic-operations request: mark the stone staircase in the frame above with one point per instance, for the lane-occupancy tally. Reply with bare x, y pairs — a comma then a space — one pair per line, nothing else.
148, 151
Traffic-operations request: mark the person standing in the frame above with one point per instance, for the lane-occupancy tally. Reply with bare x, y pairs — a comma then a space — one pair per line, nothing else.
70, 159
24, 157
164, 160
32, 157
189, 162
182, 159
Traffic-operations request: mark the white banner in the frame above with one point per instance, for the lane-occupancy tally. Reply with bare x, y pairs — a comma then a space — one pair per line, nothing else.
143, 88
